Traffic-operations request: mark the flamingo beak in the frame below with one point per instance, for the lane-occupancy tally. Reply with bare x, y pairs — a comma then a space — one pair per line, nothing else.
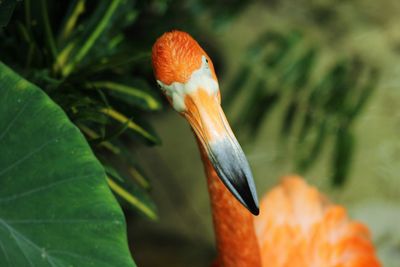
208, 121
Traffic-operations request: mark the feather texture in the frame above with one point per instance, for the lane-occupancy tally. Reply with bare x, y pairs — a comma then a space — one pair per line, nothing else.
298, 227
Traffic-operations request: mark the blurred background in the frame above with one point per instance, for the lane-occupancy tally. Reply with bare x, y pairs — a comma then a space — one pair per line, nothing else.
310, 87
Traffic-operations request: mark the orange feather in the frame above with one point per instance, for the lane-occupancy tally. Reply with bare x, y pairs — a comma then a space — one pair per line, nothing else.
175, 57
298, 227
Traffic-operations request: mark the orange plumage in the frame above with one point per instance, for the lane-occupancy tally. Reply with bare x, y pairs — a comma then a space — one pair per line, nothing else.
297, 226
175, 55
296, 219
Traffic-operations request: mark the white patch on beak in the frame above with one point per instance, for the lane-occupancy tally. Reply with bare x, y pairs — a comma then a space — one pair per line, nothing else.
200, 78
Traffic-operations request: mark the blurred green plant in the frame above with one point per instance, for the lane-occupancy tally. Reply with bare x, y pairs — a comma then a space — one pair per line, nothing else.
220, 13
319, 103
6, 10
78, 53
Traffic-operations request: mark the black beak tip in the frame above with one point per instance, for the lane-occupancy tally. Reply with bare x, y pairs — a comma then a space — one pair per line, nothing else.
245, 193
251, 204
255, 210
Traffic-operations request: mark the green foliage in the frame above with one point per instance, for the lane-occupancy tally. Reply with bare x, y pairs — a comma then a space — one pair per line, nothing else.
79, 54
6, 10
284, 69
220, 13
55, 206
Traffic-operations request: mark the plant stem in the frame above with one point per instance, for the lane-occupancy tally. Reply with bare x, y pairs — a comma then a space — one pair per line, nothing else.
47, 29
92, 38
151, 102
135, 174
79, 8
27, 8
92, 134
112, 113
131, 199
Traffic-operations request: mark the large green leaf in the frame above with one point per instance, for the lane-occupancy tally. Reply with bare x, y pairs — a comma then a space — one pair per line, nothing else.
55, 206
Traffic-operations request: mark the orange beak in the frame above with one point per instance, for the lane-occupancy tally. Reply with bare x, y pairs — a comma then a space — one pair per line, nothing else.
208, 121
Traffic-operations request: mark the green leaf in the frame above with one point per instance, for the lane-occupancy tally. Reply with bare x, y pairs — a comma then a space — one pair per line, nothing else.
343, 156
131, 193
289, 117
76, 8
260, 104
309, 151
95, 33
123, 58
133, 168
237, 86
47, 29
55, 206
121, 118
366, 93
128, 94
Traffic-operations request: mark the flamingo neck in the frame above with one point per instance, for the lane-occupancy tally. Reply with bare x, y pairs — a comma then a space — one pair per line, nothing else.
237, 243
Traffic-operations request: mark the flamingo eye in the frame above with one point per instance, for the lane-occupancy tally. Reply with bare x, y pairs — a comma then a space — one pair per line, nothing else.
205, 62
160, 85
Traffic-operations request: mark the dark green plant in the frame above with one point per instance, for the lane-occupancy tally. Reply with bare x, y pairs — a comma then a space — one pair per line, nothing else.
78, 53
6, 10
93, 59
319, 105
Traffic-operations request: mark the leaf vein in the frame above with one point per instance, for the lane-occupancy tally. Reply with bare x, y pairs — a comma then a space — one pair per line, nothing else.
42, 188
21, 160
17, 241
74, 255
15, 118
5, 253
18, 237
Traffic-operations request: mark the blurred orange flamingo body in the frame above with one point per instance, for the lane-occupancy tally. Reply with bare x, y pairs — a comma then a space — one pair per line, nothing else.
297, 226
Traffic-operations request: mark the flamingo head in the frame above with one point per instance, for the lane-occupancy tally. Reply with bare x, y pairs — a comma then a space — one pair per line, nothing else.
185, 74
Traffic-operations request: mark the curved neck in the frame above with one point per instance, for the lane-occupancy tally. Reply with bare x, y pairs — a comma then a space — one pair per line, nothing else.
237, 243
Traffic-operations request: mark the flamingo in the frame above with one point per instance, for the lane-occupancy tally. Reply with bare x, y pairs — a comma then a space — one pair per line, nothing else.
297, 226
